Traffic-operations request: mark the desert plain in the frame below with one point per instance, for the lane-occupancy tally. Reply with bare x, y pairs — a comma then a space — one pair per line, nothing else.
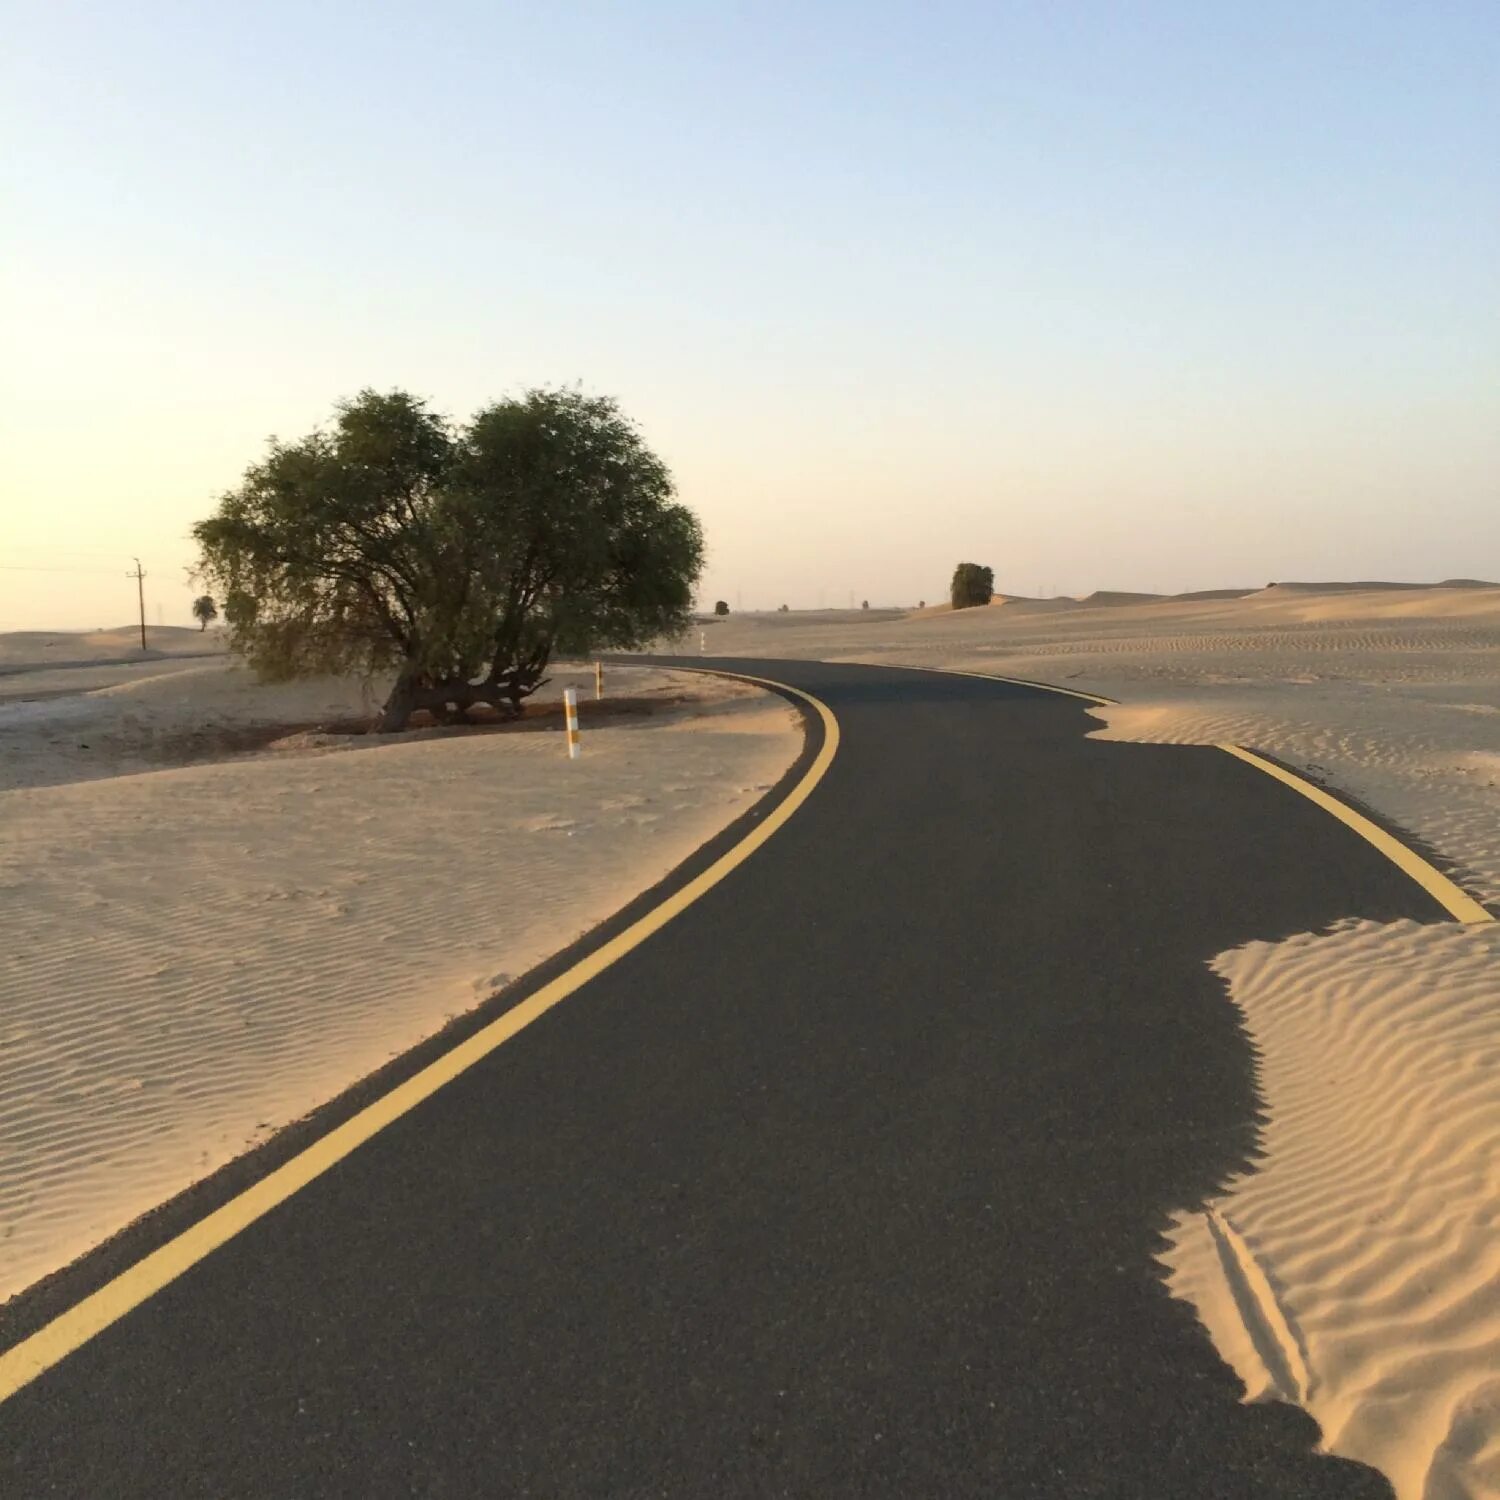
220, 909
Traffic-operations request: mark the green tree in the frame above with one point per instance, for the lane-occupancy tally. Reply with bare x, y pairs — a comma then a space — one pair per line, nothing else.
972, 585
205, 611
721, 607
460, 558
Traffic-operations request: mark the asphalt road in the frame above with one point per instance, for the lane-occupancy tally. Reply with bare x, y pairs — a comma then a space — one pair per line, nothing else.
847, 1182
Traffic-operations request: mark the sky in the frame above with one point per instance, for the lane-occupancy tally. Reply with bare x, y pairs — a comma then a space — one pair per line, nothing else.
1158, 295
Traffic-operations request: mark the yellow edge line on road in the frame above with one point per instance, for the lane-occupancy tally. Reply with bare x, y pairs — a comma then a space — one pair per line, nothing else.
1450, 897
59, 1338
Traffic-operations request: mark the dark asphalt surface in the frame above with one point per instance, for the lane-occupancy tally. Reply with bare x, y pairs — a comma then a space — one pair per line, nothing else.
846, 1183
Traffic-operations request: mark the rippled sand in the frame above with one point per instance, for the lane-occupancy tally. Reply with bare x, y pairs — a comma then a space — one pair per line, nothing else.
1356, 1270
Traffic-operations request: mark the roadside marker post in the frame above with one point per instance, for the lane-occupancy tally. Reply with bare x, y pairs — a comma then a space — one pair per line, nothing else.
702, 643
570, 707
598, 680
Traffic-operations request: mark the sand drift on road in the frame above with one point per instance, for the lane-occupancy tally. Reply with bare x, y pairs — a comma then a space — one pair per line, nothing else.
1356, 1270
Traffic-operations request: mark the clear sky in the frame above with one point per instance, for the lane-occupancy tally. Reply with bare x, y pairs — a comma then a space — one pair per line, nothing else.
1154, 295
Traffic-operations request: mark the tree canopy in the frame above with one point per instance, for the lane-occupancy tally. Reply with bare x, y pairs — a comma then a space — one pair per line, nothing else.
461, 558
205, 611
972, 585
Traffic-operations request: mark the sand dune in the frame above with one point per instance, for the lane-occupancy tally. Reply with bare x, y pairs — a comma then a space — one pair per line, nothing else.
1022, 603
192, 957
1113, 598
20, 648
1356, 1270
1373, 586
1212, 594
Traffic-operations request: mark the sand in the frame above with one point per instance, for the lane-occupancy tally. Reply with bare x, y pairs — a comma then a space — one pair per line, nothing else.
196, 955
30, 648
1356, 1270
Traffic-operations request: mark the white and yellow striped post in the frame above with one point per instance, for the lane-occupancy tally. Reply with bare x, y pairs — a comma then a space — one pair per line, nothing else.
598, 680
702, 643
570, 707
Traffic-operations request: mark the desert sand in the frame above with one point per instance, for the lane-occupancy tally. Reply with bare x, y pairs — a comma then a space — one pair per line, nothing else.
53, 648
204, 941
1356, 1269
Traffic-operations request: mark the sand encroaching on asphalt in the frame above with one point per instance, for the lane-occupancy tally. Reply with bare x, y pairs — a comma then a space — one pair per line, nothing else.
1426, 757
192, 957
1356, 1270
1390, 693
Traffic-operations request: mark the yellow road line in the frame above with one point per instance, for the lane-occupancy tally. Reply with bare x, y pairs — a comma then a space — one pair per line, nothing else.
59, 1338
1450, 897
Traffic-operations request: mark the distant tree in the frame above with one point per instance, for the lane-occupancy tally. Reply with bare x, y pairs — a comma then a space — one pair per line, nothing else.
864, 604
205, 611
782, 610
972, 585
921, 604
460, 558
721, 608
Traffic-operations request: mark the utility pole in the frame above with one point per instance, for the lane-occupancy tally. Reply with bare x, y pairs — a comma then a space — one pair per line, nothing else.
140, 587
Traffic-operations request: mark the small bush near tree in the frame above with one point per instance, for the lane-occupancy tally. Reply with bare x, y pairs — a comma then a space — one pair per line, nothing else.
721, 608
972, 585
205, 611
459, 558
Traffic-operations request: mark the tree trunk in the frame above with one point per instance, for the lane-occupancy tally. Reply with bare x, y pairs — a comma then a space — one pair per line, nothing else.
449, 702
399, 707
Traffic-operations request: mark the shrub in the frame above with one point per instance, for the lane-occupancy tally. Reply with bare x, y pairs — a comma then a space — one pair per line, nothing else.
972, 585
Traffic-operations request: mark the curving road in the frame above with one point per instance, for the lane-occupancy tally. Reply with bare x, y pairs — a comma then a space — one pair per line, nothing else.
846, 1182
